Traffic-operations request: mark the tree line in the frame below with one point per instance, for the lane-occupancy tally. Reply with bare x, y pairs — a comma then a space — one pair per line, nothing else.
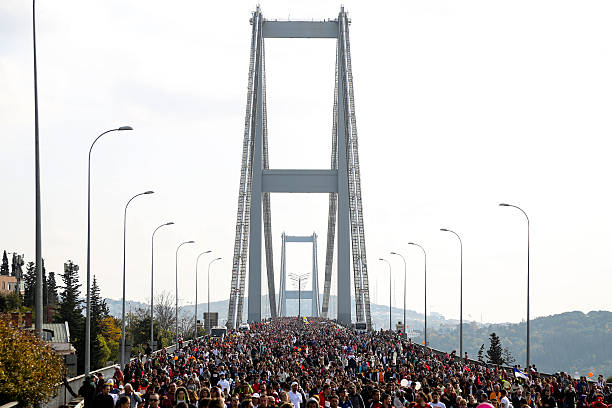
573, 342
65, 303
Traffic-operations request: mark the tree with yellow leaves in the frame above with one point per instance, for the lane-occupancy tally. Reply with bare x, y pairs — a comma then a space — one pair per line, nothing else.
110, 335
29, 369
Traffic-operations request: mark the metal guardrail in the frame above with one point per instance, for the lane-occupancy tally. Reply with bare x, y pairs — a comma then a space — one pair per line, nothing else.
62, 395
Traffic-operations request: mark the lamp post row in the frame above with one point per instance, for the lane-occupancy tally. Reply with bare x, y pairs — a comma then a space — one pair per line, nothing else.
88, 286
38, 229
461, 286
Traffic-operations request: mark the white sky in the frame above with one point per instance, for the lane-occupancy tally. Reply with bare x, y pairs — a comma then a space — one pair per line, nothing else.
460, 106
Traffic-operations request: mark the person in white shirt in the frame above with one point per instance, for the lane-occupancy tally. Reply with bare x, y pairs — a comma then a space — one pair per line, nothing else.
223, 384
505, 402
436, 401
255, 400
294, 395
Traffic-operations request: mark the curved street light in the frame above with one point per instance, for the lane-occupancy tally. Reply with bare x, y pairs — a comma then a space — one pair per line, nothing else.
152, 248
195, 320
525, 214
460, 291
403, 259
425, 312
389, 264
122, 357
176, 289
88, 295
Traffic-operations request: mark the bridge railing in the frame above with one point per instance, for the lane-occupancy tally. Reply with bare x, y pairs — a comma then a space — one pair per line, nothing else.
64, 397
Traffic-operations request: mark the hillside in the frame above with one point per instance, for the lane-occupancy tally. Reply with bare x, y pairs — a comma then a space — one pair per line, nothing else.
573, 342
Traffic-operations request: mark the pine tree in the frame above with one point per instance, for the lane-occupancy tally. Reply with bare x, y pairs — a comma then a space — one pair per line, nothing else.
52, 295
30, 285
4, 268
494, 353
70, 306
508, 357
481, 353
99, 311
70, 309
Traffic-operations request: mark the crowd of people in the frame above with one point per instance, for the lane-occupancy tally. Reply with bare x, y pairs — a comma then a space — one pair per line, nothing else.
299, 363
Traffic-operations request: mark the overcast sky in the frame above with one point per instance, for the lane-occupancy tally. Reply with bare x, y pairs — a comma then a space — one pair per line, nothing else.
460, 105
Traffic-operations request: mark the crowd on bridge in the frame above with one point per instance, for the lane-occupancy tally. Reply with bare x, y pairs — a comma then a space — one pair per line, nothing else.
299, 363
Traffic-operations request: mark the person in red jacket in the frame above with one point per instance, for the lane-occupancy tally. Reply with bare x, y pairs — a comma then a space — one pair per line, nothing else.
324, 396
598, 403
421, 401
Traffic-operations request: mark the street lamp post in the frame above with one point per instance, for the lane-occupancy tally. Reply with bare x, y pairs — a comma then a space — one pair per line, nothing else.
176, 289
122, 357
389, 263
87, 298
195, 317
299, 296
152, 247
299, 279
460, 291
38, 229
425, 311
208, 289
403, 259
525, 214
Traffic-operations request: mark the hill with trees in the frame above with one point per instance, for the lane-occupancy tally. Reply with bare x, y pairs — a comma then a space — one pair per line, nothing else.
573, 342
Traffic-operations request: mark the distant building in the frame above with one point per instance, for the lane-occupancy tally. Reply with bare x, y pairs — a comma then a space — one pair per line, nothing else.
58, 337
8, 284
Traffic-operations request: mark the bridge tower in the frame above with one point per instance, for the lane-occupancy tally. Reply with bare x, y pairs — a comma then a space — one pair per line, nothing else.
342, 182
285, 294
